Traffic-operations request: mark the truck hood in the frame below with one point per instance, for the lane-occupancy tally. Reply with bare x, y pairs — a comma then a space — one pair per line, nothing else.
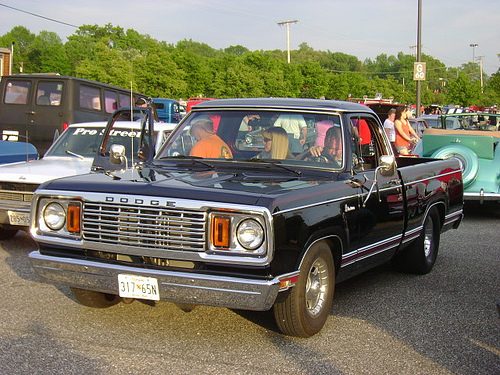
48, 168
255, 188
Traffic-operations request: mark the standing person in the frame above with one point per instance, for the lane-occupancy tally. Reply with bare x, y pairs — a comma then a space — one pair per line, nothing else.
321, 129
208, 144
144, 103
404, 131
389, 126
275, 144
296, 128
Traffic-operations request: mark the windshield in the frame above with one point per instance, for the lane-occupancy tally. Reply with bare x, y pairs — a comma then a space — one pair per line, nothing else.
474, 121
85, 140
259, 135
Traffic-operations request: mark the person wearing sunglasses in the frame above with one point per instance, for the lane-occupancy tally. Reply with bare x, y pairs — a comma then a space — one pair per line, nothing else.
276, 144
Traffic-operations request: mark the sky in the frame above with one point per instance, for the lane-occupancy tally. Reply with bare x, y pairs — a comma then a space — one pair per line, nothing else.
363, 28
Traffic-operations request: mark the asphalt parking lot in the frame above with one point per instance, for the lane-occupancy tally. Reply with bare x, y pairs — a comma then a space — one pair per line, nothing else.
382, 322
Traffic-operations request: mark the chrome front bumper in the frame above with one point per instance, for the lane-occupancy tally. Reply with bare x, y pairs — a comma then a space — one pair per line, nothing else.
179, 287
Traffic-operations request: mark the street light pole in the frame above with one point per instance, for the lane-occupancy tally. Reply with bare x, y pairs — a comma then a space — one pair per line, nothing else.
473, 45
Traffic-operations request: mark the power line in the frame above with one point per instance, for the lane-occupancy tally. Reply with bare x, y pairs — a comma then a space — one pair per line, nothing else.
39, 16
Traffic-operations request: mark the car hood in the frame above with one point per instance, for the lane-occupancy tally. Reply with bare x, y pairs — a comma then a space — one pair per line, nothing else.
48, 168
268, 189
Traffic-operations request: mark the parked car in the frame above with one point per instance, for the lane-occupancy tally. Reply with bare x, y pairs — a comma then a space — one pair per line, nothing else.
11, 152
419, 125
435, 121
168, 110
71, 154
195, 101
239, 229
474, 140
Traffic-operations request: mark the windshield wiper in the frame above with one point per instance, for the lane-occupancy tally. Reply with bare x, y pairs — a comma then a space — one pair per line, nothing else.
194, 159
75, 154
276, 163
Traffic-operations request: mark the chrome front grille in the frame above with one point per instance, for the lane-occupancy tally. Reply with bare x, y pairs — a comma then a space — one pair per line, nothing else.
144, 226
17, 192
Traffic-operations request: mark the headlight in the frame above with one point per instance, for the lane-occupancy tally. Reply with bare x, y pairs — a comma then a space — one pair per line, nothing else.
237, 233
54, 216
57, 217
250, 234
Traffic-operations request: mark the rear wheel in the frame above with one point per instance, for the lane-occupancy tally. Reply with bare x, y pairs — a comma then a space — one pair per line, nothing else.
304, 311
421, 255
92, 298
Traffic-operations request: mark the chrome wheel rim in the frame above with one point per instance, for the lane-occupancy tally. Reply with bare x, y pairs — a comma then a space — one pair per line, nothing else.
316, 287
428, 238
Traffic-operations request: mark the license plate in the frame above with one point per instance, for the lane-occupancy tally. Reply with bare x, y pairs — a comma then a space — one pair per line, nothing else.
19, 218
132, 286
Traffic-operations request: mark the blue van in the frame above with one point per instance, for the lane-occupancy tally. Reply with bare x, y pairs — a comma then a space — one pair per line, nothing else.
169, 110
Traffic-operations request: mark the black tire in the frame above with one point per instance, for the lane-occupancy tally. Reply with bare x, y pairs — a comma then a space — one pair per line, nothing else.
304, 311
92, 298
420, 256
7, 234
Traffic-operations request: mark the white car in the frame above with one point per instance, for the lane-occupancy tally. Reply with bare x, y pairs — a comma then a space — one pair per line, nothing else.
71, 154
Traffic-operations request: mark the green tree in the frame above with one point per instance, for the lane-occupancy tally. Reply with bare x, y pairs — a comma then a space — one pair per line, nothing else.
47, 54
463, 91
23, 40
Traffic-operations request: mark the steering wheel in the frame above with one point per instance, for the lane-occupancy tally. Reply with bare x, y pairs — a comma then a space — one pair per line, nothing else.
323, 158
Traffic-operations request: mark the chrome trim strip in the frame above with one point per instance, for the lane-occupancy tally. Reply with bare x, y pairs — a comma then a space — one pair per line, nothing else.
315, 204
454, 216
370, 250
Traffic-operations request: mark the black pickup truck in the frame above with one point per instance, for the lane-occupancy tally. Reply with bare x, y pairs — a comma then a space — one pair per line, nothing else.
245, 230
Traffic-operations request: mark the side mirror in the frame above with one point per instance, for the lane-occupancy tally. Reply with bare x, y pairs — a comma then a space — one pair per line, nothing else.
117, 155
387, 165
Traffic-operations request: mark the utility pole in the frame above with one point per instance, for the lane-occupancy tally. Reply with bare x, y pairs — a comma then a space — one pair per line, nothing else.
287, 23
419, 53
480, 58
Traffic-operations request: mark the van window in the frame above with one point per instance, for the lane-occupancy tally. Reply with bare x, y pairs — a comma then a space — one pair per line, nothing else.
124, 100
90, 98
110, 104
16, 92
49, 93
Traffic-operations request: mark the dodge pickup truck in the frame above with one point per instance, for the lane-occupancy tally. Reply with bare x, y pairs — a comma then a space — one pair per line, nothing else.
208, 221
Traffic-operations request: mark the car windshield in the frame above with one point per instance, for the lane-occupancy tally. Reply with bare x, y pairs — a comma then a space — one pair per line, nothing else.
259, 135
474, 121
84, 140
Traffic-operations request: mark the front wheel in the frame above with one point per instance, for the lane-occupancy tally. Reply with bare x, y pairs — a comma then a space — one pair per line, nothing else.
92, 298
304, 311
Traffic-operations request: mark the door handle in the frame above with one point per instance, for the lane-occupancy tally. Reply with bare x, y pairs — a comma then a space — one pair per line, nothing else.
31, 113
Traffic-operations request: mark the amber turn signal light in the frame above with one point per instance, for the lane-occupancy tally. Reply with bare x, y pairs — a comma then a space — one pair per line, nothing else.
220, 231
73, 218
